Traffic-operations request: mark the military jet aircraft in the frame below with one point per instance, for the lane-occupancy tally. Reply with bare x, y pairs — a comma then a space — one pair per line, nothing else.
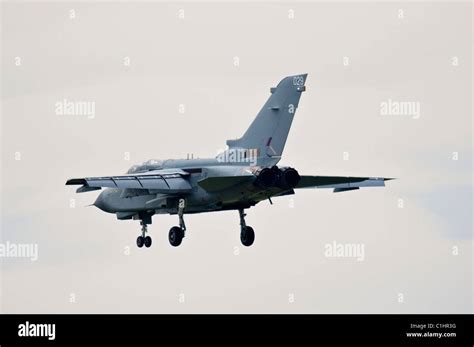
237, 179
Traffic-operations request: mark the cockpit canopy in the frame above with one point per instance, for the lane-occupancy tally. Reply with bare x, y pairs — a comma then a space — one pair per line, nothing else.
152, 164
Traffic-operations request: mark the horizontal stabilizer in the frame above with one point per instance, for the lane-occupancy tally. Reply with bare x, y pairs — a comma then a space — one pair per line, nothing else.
341, 183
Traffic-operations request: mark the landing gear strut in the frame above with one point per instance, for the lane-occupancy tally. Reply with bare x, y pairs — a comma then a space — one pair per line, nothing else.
247, 235
176, 233
142, 239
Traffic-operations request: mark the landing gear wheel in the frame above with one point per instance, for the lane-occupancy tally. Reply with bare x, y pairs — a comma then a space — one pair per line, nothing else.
147, 241
140, 241
175, 236
247, 236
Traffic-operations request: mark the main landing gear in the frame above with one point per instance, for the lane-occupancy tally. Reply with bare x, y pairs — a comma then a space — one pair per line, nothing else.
176, 233
247, 235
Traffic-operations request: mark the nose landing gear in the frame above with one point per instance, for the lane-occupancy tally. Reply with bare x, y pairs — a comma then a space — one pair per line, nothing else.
144, 240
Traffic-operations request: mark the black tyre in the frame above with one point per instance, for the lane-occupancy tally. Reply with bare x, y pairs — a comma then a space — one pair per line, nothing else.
140, 241
147, 241
247, 236
175, 236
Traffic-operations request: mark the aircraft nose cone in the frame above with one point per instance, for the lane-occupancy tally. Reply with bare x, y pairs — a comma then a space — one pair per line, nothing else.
100, 203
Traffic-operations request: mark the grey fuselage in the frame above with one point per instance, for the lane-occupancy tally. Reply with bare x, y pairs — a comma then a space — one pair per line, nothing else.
126, 203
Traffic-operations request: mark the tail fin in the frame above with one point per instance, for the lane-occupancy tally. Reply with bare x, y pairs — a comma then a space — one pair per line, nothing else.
268, 132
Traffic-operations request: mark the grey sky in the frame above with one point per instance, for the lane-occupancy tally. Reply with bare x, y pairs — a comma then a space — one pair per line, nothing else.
190, 61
